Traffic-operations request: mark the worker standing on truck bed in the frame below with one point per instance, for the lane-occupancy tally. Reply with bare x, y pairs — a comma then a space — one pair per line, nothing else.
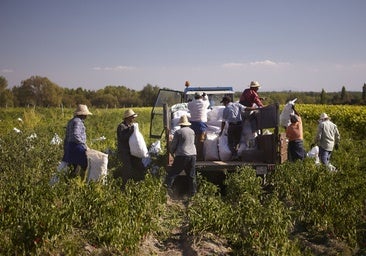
232, 114
198, 109
184, 151
250, 96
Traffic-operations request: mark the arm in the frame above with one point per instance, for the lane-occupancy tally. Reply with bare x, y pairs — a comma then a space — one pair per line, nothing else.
174, 144
78, 132
222, 128
337, 136
318, 134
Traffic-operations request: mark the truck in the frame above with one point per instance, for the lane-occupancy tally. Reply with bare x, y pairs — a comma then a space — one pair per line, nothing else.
268, 148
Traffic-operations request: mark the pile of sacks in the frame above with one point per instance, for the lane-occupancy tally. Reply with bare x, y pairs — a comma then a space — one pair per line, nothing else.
215, 147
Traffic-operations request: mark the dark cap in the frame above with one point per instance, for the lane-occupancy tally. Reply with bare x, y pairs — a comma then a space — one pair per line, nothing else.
294, 118
226, 99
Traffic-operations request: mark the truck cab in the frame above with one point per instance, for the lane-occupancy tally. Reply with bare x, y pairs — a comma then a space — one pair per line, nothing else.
269, 147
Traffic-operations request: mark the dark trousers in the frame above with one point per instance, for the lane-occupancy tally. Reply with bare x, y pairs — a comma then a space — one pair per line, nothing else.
132, 168
233, 137
296, 150
188, 164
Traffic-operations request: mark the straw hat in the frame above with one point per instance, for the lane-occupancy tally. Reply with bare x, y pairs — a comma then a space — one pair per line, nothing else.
82, 110
184, 121
129, 113
254, 84
323, 116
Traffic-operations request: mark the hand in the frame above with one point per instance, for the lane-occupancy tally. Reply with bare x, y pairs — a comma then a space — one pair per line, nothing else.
336, 146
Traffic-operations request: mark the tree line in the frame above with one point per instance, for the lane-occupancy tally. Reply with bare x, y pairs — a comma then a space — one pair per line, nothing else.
42, 92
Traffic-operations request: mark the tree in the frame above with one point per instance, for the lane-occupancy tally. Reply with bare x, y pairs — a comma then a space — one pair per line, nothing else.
6, 96
3, 83
105, 100
364, 92
345, 99
39, 91
149, 93
323, 97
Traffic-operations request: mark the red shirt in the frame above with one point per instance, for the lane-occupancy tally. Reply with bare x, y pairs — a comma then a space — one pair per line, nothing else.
249, 97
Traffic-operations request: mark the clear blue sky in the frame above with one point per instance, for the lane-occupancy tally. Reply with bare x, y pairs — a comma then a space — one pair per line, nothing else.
284, 44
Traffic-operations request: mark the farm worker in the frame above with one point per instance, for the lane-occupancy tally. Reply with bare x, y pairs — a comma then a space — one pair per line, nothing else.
232, 114
327, 138
294, 133
198, 108
75, 141
184, 151
249, 97
132, 166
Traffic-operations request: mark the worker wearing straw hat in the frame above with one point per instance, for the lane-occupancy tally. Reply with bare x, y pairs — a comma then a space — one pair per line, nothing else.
184, 151
75, 141
327, 138
132, 166
250, 97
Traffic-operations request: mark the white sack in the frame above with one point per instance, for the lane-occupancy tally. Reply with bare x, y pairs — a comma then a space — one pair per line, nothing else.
137, 143
97, 165
215, 114
224, 150
61, 168
286, 112
314, 153
155, 148
210, 150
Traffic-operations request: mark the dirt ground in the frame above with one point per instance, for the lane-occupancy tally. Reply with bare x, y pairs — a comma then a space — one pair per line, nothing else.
181, 243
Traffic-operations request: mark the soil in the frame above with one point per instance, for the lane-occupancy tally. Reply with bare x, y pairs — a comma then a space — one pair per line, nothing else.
181, 243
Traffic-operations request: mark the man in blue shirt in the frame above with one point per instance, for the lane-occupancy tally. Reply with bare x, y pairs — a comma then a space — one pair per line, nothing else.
232, 114
75, 141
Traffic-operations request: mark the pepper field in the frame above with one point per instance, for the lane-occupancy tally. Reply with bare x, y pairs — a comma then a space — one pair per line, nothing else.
301, 206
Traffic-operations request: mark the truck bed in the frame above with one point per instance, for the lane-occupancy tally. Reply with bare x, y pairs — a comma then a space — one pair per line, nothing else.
260, 167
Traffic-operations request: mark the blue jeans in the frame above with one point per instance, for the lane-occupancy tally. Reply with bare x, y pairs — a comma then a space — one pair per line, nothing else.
324, 155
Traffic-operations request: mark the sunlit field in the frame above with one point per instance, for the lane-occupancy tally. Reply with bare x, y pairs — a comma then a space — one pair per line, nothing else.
301, 203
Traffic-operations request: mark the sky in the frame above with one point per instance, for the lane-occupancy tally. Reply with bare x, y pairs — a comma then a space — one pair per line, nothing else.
285, 45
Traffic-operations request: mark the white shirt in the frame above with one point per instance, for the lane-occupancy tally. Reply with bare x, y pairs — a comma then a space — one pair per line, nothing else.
198, 109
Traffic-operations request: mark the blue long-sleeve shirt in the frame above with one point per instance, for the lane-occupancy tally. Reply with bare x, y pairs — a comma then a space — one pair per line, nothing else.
75, 131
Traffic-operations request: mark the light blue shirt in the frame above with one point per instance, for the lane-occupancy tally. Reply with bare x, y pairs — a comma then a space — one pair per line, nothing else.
232, 112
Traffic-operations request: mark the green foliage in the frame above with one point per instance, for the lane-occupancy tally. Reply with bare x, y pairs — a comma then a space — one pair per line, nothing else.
323, 202
253, 222
298, 198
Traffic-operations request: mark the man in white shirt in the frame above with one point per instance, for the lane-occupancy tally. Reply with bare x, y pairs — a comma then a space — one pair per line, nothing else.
327, 138
198, 109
